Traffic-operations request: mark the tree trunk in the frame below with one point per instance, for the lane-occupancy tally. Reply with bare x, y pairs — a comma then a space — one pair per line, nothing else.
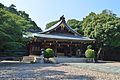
99, 51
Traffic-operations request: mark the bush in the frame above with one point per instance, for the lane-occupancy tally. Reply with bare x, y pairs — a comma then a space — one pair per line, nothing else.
13, 46
89, 46
89, 53
49, 53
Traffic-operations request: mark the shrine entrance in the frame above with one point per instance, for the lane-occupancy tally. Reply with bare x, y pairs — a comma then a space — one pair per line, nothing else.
61, 38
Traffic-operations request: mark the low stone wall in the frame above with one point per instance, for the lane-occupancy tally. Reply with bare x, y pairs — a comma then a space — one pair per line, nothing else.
30, 59
74, 60
11, 58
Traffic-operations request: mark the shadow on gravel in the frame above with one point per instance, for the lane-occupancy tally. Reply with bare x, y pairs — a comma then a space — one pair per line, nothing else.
45, 75
74, 77
64, 76
36, 71
10, 64
101, 61
55, 75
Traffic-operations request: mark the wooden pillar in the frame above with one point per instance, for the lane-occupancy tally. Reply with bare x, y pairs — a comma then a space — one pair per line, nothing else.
81, 49
70, 51
56, 49
43, 44
29, 49
77, 50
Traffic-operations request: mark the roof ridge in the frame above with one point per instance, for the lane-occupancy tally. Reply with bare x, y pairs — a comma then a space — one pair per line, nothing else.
61, 20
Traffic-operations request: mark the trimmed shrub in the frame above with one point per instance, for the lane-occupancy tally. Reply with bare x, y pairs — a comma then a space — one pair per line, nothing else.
89, 46
89, 53
49, 53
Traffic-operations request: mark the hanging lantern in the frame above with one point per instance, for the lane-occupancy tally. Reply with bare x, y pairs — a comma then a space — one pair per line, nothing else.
50, 44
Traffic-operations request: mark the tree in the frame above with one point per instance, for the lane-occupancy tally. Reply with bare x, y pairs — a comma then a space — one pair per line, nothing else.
33, 26
13, 26
76, 25
104, 27
1, 5
24, 15
48, 25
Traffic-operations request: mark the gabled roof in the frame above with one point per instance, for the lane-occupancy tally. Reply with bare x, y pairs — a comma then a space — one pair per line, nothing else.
61, 37
75, 36
57, 25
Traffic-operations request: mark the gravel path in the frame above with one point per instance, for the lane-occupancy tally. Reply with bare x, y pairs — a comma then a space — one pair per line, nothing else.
18, 71
113, 68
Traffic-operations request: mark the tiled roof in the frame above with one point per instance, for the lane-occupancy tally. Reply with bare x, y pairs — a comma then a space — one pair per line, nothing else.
57, 24
62, 37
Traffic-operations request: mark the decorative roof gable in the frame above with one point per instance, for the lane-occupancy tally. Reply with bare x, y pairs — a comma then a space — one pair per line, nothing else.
61, 28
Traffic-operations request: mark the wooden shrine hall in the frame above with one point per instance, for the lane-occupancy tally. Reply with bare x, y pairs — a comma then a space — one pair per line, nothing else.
61, 38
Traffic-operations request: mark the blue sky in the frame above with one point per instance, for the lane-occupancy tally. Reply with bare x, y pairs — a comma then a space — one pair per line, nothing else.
44, 11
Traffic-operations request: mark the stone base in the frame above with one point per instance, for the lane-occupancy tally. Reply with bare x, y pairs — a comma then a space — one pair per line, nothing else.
73, 60
28, 59
32, 58
50, 60
90, 60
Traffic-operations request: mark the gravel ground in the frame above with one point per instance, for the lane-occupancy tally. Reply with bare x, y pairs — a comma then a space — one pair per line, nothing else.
113, 68
22, 71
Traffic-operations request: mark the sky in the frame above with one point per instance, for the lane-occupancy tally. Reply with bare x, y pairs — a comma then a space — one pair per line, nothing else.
45, 11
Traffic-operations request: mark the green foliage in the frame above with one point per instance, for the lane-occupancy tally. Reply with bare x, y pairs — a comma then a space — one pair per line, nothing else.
1, 5
104, 27
49, 53
48, 25
5, 37
89, 46
89, 53
13, 24
8, 54
13, 46
75, 24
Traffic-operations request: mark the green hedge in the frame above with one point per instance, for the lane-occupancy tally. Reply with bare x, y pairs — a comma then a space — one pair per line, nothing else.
89, 53
49, 53
89, 46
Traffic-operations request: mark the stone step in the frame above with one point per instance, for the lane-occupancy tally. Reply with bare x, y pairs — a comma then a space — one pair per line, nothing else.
28, 59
